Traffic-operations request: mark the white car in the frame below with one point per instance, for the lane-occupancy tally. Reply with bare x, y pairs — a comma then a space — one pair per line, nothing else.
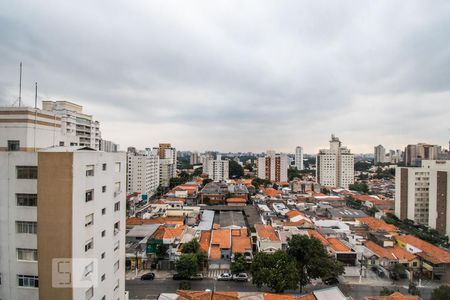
225, 277
240, 277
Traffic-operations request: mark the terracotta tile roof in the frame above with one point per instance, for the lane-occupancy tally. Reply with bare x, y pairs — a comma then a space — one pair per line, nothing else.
270, 296
377, 224
214, 252
205, 240
394, 296
164, 232
317, 235
222, 238
293, 213
295, 224
194, 295
236, 200
271, 192
430, 252
247, 181
207, 295
391, 253
240, 241
338, 246
266, 232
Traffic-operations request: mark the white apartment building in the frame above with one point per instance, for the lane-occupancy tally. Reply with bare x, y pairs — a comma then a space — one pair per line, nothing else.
379, 154
204, 160
194, 158
108, 146
78, 128
422, 194
218, 169
273, 167
142, 172
335, 166
167, 163
23, 133
299, 158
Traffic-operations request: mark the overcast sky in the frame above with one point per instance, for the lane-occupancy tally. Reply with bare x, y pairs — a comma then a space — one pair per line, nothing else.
238, 75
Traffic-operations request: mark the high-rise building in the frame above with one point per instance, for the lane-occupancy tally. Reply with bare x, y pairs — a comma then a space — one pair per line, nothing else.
142, 171
422, 194
273, 167
204, 159
379, 154
167, 163
78, 128
414, 154
335, 166
194, 158
34, 232
218, 169
108, 146
299, 158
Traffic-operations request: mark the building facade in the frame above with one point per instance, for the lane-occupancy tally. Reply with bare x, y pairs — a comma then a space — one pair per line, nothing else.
273, 167
142, 171
335, 166
218, 169
422, 194
414, 154
78, 128
299, 158
167, 163
379, 154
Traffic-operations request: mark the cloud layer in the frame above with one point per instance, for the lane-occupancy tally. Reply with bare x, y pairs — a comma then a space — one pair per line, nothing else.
238, 75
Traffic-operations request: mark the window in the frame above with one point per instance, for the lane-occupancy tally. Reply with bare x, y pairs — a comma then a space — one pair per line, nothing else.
117, 167
89, 245
103, 277
116, 245
61, 144
104, 167
104, 298
103, 255
116, 266
116, 287
103, 233
90, 293
117, 189
117, 206
90, 170
26, 199
26, 227
13, 145
116, 227
88, 269
27, 281
104, 189
26, 172
27, 254
89, 195
103, 211
89, 220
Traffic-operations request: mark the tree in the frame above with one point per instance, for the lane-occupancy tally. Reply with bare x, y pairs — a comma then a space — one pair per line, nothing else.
386, 292
361, 187
235, 170
249, 167
258, 181
187, 265
239, 263
441, 293
312, 259
362, 166
161, 250
198, 171
413, 290
276, 271
293, 173
191, 247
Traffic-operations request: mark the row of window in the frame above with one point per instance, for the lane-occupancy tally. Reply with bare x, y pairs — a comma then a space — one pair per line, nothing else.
27, 254
89, 194
91, 168
89, 244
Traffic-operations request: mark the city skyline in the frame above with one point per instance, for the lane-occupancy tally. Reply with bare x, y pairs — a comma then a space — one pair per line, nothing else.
272, 76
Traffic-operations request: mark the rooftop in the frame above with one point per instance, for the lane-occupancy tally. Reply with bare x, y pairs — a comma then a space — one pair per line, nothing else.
266, 232
429, 252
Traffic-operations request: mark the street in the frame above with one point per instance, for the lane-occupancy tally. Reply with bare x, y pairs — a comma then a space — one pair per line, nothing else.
151, 289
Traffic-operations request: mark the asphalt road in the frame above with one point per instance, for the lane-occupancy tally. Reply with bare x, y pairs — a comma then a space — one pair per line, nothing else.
151, 289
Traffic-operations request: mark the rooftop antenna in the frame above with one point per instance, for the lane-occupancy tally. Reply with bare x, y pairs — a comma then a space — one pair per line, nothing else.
20, 85
35, 113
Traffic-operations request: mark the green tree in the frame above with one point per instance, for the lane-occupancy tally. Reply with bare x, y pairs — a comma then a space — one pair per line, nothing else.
198, 172
276, 271
361, 187
191, 247
293, 173
441, 293
248, 167
413, 290
235, 170
257, 182
312, 259
239, 263
161, 250
386, 292
187, 265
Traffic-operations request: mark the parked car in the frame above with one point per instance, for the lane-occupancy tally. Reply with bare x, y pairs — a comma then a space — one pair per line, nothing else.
196, 277
178, 277
379, 271
225, 277
148, 276
240, 277
330, 281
